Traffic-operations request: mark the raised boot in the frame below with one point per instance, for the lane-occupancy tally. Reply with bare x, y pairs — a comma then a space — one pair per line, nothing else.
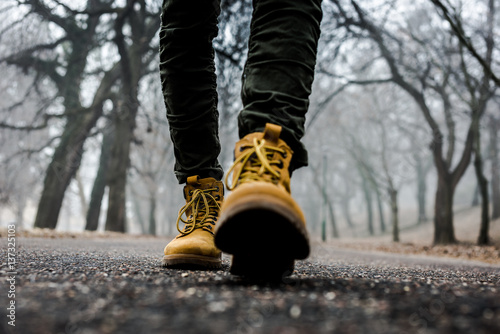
260, 223
194, 247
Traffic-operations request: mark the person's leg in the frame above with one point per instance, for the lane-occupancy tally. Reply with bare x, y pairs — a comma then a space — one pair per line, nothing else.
188, 80
279, 72
189, 87
260, 223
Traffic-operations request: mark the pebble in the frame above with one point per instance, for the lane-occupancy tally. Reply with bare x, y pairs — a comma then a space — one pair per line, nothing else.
295, 311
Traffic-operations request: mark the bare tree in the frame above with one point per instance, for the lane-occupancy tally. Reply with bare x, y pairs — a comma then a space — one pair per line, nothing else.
480, 93
134, 63
151, 157
68, 68
65, 68
415, 81
494, 128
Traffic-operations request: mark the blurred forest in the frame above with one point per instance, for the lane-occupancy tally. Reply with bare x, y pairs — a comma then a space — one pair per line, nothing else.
403, 127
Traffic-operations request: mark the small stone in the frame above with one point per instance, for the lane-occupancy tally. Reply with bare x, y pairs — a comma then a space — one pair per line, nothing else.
217, 307
184, 275
295, 311
330, 295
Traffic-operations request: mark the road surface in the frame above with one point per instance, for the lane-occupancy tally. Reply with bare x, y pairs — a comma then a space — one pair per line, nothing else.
116, 285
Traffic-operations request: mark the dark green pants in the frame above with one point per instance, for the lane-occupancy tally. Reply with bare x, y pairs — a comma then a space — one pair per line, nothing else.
277, 77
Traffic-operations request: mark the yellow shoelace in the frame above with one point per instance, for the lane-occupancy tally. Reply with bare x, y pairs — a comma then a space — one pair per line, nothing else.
204, 212
260, 166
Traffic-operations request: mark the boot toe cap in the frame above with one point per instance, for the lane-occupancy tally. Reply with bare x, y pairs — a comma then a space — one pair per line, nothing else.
194, 245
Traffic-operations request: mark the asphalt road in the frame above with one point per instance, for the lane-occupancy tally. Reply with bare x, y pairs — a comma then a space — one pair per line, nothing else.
116, 285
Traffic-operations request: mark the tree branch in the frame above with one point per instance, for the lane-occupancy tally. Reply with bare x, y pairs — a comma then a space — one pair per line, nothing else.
322, 105
41, 9
456, 26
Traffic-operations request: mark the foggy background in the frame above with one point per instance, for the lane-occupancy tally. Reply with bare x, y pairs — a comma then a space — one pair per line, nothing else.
405, 95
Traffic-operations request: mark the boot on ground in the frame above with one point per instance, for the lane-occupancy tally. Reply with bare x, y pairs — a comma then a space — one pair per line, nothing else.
261, 225
194, 247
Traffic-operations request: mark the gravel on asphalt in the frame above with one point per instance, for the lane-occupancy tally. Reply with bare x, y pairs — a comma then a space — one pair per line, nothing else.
117, 285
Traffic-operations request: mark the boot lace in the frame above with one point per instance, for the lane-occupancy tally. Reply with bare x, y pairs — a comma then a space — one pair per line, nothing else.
204, 211
257, 164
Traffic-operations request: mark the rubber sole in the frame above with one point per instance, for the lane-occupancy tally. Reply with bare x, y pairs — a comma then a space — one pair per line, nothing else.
262, 267
191, 261
264, 242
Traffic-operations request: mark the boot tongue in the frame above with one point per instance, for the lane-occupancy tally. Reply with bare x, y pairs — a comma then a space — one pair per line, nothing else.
193, 180
272, 133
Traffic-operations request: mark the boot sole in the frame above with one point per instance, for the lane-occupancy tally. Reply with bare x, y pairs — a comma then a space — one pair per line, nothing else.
191, 261
265, 239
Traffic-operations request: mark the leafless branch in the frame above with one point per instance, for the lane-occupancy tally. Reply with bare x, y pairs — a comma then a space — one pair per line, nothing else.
456, 26
20, 57
322, 104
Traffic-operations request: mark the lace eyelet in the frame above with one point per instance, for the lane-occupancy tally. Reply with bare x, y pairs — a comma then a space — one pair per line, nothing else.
217, 197
284, 155
281, 164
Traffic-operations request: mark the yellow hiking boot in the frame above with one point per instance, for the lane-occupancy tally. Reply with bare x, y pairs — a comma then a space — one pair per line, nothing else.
260, 223
194, 247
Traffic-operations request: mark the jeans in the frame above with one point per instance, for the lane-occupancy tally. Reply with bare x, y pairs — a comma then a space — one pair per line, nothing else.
277, 77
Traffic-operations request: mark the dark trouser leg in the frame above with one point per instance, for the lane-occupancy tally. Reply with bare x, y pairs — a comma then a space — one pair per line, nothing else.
279, 71
189, 85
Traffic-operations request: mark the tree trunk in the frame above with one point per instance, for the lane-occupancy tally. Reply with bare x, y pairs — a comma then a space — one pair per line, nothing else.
380, 211
482, 182
495, 167
393, 194
117, 176
346, 212
152, 214
421, 192
138, 212
327, 203
483, 238
65, 162
100, 182
81, 194
369, 208
475, 196
325, 200
444, 232
333, 221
